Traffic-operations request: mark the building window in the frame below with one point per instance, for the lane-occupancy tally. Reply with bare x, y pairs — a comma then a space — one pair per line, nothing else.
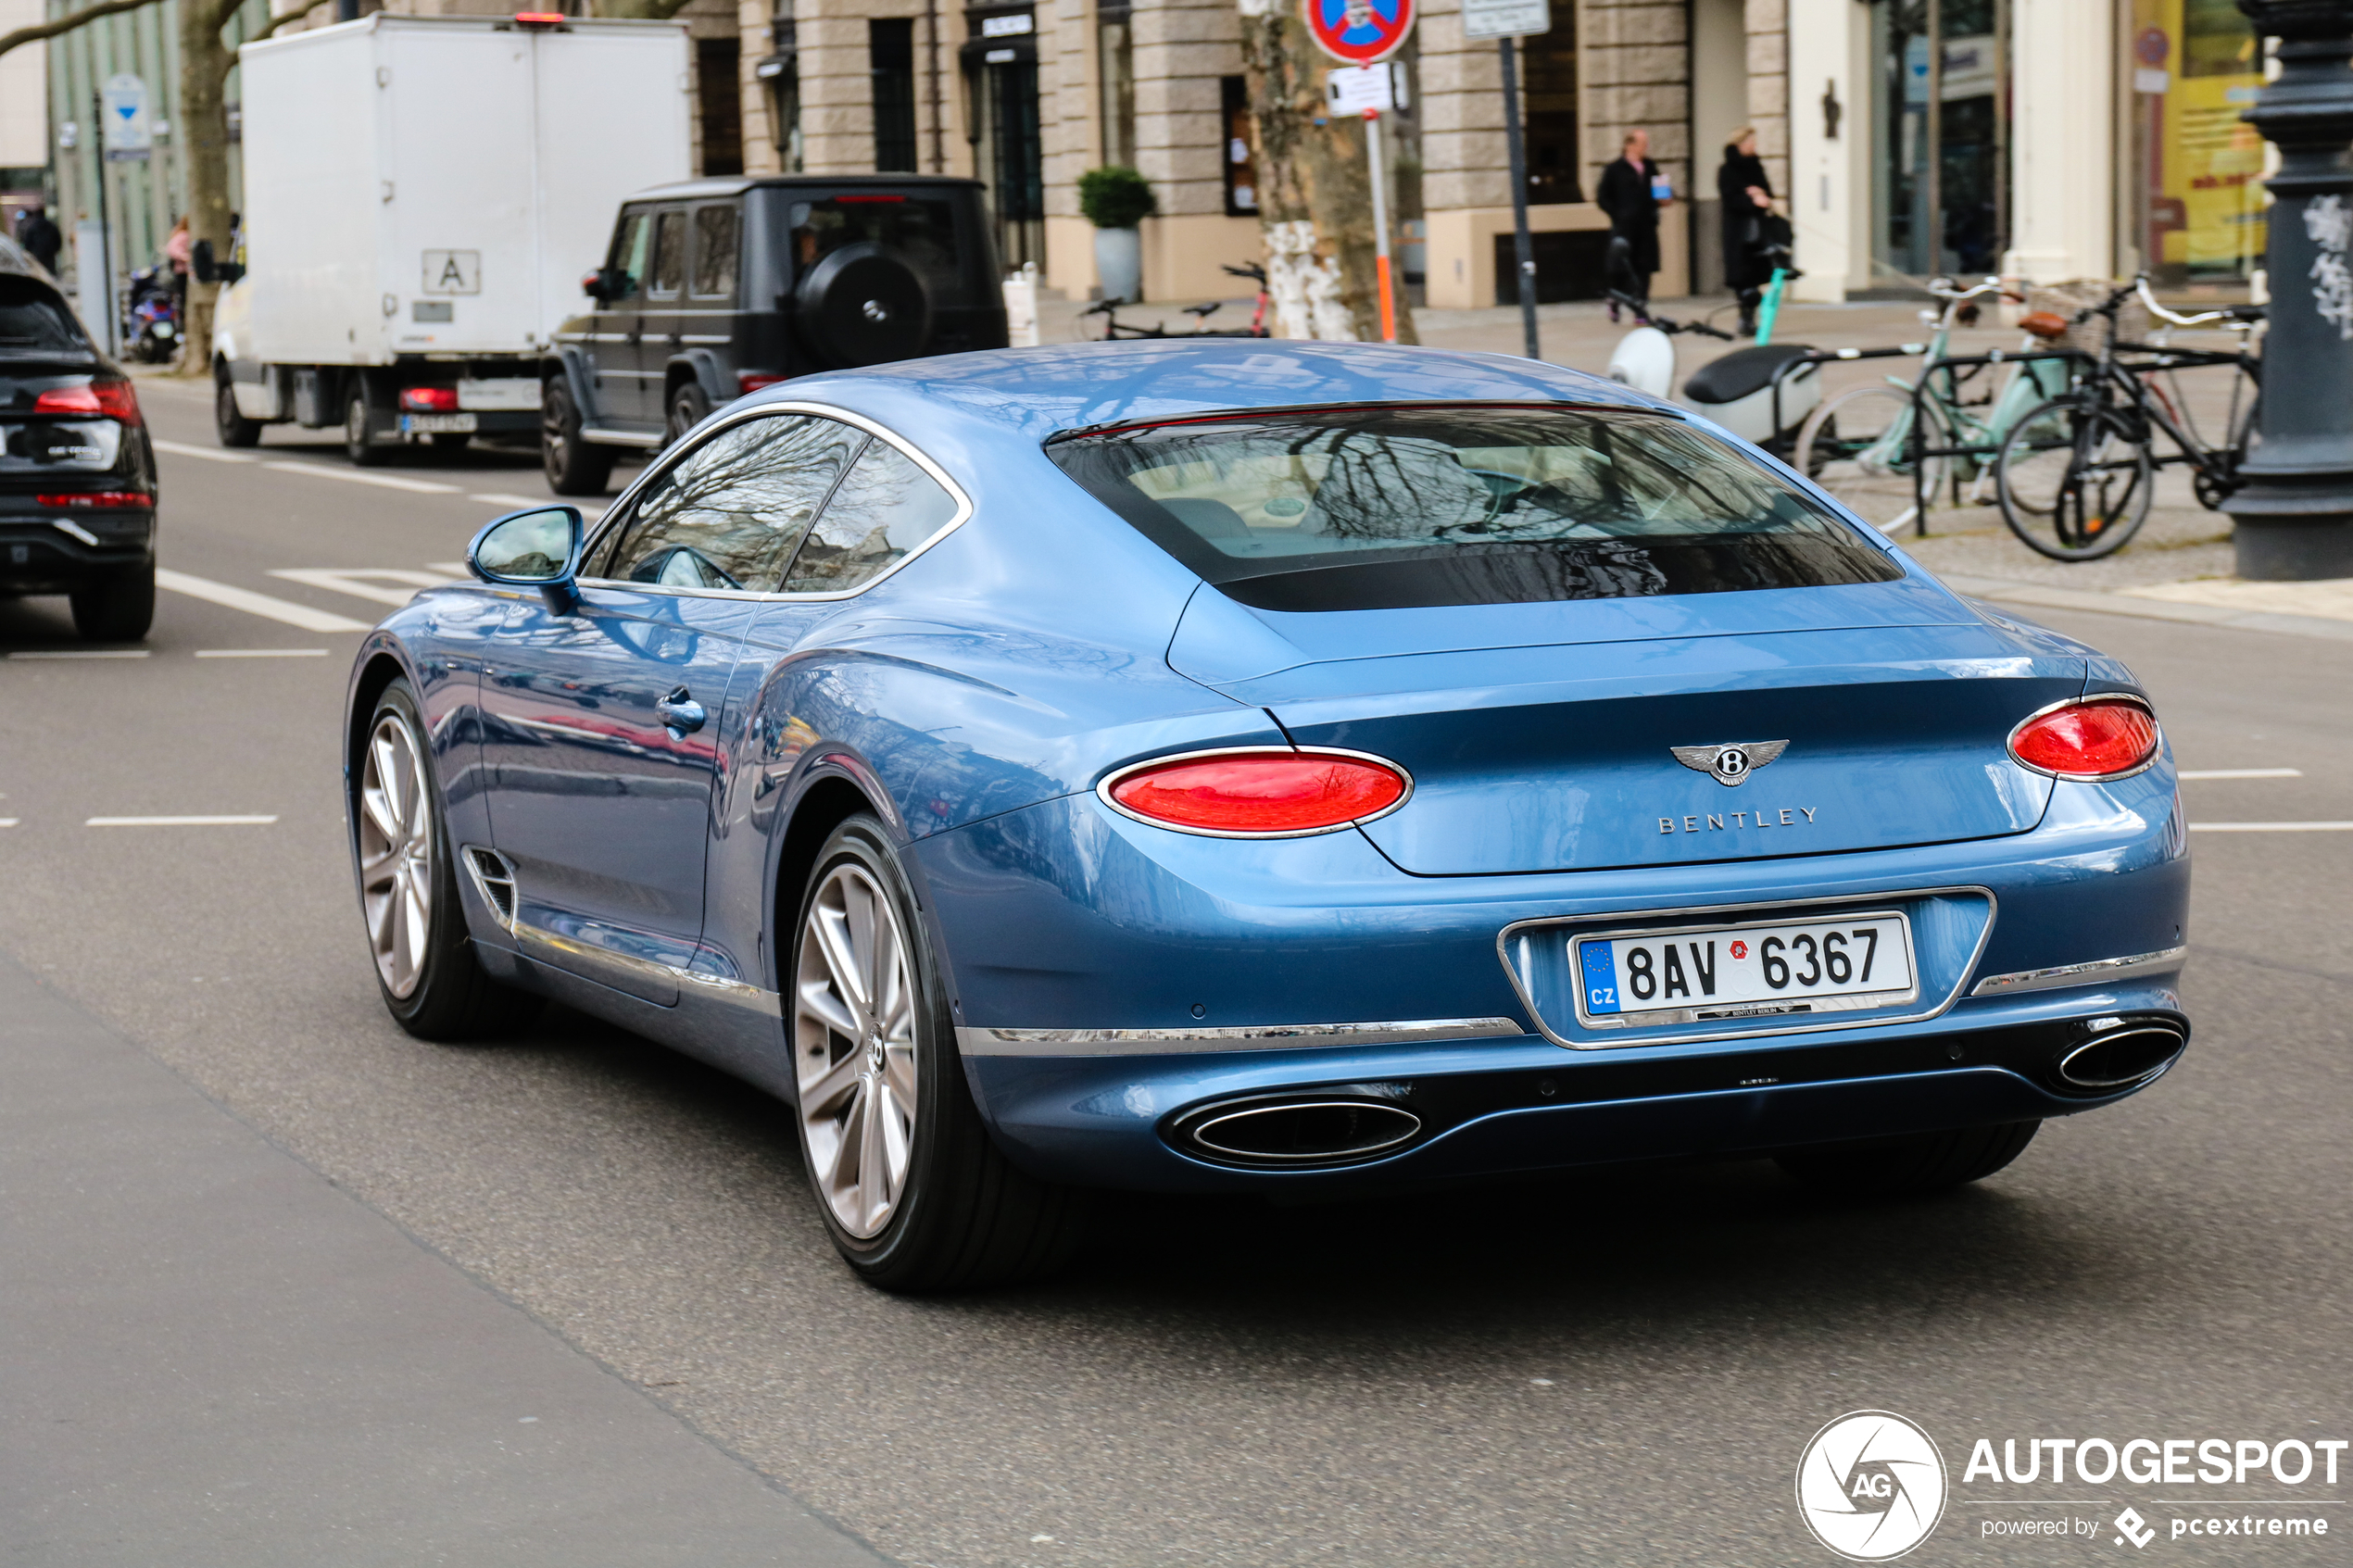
1115, 59
2196, 65
891, 47
717, 64
1242, 149
1547, 85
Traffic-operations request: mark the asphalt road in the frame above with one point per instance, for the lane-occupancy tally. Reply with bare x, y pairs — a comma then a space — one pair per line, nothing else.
1619, 1367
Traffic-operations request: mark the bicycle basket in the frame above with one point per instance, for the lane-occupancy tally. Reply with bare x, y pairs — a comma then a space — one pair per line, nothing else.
2066, 300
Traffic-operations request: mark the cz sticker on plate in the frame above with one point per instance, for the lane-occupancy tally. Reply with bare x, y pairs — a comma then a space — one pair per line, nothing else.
1759, 970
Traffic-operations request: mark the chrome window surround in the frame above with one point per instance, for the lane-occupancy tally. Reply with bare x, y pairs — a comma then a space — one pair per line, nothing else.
1104, 788
656, 470
2164, 961
1768, 910
1174, 1040
2009, 741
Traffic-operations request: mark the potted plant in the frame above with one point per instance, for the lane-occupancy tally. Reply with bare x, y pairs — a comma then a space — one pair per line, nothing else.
1116, 199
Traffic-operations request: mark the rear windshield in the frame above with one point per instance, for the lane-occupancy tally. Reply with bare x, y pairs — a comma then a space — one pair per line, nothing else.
1392, 509
32, 318
924, 232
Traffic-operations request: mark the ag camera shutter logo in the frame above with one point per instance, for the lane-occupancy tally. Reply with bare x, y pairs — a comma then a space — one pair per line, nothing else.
1871, 1486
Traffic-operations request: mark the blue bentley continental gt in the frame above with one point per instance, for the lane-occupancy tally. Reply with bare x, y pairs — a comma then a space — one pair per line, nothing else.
1233, 765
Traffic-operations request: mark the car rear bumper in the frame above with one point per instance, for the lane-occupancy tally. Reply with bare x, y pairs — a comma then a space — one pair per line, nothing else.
38, 557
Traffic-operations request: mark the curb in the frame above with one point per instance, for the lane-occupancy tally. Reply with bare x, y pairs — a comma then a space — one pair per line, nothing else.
2002, 591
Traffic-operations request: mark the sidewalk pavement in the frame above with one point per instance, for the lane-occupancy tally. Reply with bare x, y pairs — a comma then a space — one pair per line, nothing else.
216, 1356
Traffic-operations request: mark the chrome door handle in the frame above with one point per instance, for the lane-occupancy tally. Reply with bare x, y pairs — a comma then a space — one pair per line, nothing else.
680, 714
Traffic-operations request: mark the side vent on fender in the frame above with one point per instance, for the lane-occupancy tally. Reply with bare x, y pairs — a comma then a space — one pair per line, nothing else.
494, 880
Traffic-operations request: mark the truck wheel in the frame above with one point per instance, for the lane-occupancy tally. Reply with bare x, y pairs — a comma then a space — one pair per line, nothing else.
117, 606
687, 408
233, 427
574, 467
362, 452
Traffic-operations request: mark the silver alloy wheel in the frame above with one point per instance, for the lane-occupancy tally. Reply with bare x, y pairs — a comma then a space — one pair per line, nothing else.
854, 1043
396, 853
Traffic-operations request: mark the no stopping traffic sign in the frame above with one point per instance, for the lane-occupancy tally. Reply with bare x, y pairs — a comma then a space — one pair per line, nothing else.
1359, 31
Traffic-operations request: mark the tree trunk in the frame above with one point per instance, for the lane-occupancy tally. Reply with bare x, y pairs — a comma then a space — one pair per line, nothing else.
1314, 189
205, 62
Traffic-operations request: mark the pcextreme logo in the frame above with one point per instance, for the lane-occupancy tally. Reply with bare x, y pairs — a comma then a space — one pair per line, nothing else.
1871, 1486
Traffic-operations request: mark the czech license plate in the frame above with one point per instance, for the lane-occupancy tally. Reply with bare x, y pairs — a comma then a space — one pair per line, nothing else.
436, 424
1754, 971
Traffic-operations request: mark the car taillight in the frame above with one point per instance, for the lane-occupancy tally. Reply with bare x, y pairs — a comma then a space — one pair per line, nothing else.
2096, 737
97, 498
752, 381
111, 398
429, 399
1265, 794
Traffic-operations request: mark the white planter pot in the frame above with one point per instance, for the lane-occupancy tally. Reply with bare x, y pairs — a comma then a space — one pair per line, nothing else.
1119, 263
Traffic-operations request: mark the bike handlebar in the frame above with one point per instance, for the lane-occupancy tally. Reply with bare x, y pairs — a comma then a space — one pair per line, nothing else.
2234, 316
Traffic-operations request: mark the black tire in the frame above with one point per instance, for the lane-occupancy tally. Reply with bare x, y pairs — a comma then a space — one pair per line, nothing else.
451, 441
864, 304
363, 453
687, 408
574, 467
1923, 1162
452, 999
963, 1216
2074, 479
232, 427
117, 606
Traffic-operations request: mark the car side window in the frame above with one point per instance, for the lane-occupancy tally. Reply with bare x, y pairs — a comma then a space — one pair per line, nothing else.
630, 249
715, 252
670, 251
732, 511
886, 508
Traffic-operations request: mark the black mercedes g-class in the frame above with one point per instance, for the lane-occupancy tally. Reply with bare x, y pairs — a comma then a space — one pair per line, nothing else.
716, 287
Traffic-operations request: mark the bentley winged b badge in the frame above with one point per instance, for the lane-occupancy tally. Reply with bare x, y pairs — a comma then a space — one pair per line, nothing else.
1730, 764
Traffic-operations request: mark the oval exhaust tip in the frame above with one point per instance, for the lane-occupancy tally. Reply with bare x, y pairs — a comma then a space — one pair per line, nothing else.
1303, 1132
2120, 1059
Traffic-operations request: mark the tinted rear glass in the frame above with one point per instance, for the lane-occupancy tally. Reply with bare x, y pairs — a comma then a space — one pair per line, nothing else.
32, 317
923, 232
1388, 508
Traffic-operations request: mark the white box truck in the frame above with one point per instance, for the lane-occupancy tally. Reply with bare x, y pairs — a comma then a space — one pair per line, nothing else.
422, 195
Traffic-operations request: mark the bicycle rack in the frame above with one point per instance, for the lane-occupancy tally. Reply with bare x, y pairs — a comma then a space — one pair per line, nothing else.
1918, 453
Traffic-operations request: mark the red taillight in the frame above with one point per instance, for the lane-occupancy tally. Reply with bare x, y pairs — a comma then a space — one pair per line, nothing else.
111, 399
429, 399
2096, 738
539, 18
97, 498
752, 381
1259, 793
846, 200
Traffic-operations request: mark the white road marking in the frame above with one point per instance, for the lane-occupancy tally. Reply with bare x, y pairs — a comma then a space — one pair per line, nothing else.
81, 653
494, 498
2243, 774
459, 570
353, 581
9, 821
209, 454
286, 610
361, 476
261, 653
178, 822
2271, 827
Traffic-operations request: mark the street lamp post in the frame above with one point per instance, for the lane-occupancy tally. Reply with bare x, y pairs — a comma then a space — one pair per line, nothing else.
2294, 518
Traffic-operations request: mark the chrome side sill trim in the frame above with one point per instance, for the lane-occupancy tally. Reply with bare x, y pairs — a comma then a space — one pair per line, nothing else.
599, 438
1175, 1040
2091, 973
735, 993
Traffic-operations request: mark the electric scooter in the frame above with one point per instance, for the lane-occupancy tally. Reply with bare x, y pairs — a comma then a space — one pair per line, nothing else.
1735, 391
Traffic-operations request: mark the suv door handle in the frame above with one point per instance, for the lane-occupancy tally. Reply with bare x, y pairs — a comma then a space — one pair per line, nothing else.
680, 713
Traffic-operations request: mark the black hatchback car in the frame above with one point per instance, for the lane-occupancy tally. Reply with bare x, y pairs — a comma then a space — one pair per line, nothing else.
718, 287
77, 476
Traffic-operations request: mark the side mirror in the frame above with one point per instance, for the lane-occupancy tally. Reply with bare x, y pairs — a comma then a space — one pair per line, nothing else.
231, 270
539, 548
200, 262
593, 286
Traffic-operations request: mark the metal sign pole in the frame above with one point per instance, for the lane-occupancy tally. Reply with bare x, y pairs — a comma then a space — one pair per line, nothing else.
104, 291
1523, 245
1381, 226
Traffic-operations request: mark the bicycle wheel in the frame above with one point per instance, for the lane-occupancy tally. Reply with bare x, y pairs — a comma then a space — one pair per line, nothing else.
2074, 481
1857, 446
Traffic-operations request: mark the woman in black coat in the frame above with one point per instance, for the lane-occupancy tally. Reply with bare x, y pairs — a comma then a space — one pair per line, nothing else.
1745, 198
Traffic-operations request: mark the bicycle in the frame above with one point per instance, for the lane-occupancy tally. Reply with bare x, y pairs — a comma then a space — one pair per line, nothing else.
1114, 328
2075, 478
1886, 452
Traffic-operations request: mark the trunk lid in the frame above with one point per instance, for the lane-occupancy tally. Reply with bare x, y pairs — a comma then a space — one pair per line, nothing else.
1563, 755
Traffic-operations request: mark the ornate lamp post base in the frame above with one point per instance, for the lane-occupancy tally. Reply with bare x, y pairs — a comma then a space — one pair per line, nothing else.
2294, 518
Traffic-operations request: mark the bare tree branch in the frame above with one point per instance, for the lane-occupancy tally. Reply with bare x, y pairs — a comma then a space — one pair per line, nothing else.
277, 22
66, 23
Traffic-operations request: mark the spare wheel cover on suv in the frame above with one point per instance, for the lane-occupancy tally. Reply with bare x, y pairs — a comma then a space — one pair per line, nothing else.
863, 304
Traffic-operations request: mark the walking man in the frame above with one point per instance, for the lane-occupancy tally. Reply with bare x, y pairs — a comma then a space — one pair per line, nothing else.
40, 238
1633, 191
